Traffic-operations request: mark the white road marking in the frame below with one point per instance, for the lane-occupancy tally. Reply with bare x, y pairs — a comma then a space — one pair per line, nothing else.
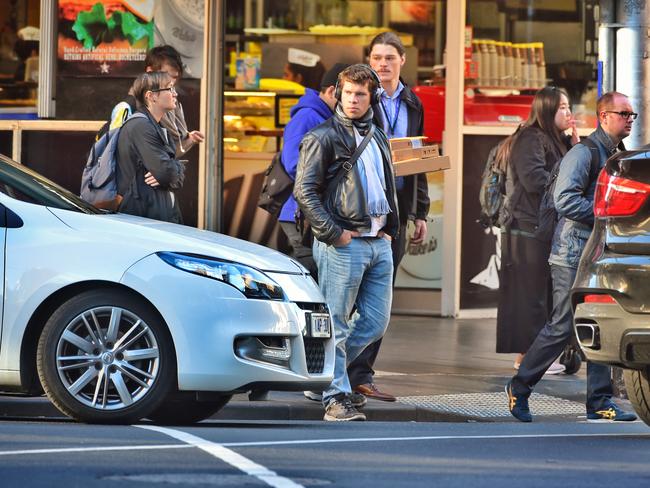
424, 438
228, 456
305, 442
94, 449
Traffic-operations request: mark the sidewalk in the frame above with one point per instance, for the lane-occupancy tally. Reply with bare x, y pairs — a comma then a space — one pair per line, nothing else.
441, 370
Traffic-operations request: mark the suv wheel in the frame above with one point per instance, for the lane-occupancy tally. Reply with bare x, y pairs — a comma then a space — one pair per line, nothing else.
105, 357
637, 385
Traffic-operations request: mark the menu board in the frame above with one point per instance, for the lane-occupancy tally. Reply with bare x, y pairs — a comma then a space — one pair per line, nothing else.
106, 38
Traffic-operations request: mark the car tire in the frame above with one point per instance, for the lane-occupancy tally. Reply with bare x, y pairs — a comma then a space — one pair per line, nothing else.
105, 356
637, 384
187, 411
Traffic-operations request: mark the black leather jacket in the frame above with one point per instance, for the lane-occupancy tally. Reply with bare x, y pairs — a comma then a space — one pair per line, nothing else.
532, 157
322, 153
413, 199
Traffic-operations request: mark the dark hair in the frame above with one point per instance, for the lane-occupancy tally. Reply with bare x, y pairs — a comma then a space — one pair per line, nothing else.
359, 74
606, 101
311, 75
329, 78
389, 38
165, 54
542, 115
152, 81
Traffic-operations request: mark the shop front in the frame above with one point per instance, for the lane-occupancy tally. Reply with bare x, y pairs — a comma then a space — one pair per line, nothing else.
475, 65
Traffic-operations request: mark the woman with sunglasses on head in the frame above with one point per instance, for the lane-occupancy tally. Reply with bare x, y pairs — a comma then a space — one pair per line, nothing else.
148, 173
528, 156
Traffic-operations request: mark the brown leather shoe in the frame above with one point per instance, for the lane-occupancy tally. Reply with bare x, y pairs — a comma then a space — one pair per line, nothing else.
370, 390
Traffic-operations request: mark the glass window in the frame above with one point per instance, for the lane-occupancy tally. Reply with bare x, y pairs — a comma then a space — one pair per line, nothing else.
515, 47
262, 89
21, 183
19, 49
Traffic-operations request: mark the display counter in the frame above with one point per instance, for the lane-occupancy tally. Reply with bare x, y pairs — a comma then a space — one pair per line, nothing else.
243, 177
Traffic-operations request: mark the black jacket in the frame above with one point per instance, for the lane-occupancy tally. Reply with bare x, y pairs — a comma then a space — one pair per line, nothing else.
322, 153
532, 157
143, 147
413, 200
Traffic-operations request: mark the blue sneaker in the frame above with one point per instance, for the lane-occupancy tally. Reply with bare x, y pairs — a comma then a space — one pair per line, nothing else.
610, 413
518, 405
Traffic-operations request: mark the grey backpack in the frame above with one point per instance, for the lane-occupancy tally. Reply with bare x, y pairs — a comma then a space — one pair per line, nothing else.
99, 178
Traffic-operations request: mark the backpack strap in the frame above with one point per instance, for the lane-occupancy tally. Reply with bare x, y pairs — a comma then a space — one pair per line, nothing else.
594, 165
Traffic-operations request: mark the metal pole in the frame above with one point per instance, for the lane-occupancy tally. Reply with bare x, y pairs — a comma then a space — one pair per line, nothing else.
452, 143
632, 67
47, 60
211, 158
607, 46
440, 26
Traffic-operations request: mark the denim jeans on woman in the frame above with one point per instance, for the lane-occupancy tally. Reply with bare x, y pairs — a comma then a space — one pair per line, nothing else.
358, 274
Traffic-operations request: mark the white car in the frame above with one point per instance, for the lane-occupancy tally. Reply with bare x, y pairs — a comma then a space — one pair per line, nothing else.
118, 318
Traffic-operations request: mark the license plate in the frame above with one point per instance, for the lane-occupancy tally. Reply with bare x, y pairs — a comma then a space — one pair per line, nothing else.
320, 325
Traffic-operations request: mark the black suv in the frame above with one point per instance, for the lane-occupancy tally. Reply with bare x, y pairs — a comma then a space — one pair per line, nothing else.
611, 294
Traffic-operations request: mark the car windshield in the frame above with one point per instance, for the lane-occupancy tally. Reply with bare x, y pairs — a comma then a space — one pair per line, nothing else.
21, 183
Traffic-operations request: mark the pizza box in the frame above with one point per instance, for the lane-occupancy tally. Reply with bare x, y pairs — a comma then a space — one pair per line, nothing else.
421, 165
417, 152
406, 142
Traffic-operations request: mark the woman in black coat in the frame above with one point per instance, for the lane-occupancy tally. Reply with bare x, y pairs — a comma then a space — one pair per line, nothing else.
148, 173
524, 280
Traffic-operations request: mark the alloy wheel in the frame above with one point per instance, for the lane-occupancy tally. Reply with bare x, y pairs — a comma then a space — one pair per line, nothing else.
107, 358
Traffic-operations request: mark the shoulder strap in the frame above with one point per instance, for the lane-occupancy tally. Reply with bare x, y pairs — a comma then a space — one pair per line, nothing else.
349, 164
594, 165
131, 100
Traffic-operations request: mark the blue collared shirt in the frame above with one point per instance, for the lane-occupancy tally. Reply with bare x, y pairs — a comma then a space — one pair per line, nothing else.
395, 116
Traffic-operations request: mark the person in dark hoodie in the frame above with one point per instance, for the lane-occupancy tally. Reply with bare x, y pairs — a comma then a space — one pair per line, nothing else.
312, 109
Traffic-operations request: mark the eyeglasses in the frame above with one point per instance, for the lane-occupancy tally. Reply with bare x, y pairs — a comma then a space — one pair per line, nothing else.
171, 89
624, 114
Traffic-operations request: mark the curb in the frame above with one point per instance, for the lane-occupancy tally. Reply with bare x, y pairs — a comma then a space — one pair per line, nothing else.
19, 407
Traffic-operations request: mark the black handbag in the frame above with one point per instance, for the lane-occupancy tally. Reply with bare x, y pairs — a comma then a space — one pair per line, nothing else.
277, 187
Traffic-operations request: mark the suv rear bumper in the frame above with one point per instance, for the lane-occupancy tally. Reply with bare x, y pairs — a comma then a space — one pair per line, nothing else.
609, 334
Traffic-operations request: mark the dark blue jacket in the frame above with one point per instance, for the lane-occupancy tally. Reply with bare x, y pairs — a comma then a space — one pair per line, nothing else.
574, 199
309, 112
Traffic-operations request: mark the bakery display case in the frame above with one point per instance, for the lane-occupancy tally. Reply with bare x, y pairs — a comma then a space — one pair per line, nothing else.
253, 120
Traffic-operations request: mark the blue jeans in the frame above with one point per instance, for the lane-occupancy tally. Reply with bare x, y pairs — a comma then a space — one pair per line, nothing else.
360, 274
550, 343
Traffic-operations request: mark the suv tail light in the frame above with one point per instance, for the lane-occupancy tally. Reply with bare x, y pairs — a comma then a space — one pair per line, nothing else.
598, 299
618, 197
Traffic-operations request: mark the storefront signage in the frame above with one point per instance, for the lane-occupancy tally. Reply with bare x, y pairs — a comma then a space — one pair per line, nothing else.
104, 38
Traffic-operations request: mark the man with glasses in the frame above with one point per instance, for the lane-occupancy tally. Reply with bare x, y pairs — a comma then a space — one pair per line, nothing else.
573, 197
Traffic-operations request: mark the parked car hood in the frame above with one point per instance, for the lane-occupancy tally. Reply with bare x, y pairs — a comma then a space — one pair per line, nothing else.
153, 236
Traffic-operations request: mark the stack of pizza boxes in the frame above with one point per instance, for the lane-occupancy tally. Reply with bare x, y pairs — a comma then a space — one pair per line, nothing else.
411, 156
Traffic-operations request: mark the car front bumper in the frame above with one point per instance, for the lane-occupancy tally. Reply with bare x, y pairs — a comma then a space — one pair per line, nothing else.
214, 328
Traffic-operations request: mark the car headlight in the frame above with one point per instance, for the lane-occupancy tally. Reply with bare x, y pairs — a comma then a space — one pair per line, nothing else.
251, 282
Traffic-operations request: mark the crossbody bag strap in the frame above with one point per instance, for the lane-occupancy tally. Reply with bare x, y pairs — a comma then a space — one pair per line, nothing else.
349, 164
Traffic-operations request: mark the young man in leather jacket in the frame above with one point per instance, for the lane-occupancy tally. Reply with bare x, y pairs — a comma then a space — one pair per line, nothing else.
353, 221
399, 112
